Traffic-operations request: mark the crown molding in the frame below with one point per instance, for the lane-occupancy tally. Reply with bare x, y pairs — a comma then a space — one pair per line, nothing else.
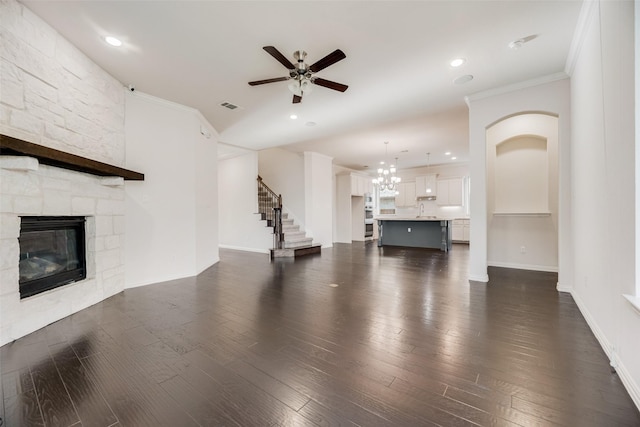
515, 87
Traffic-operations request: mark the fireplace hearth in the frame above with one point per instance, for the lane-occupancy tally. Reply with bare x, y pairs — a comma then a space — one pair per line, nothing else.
52, 253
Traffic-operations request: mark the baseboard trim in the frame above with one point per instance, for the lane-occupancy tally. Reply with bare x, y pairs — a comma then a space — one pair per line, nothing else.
562, 288
479, 278
627, 380
213, 262
533, 267
241, 248
632, 387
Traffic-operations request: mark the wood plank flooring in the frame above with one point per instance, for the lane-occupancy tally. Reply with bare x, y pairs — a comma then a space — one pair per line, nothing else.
402, 340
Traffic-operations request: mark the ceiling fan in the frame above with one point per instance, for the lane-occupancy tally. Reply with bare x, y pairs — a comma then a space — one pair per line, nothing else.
301, 74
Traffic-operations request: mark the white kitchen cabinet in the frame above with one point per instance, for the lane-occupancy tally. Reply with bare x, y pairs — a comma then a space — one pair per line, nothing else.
460, 230
426, 186
450, 192
406, 196
360, 185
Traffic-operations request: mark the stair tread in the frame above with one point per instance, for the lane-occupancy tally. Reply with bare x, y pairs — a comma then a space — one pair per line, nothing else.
295, 234
298, 244
296, 238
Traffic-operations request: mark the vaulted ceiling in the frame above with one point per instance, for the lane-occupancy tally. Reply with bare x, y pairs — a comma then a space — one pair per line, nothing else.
397, 65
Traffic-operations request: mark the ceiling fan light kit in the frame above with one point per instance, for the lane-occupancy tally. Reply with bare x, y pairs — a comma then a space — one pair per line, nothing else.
301, 75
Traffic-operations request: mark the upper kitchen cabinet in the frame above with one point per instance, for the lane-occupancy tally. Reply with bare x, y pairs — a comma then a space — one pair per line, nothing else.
426, 186
360, 185
450, 192
406, 196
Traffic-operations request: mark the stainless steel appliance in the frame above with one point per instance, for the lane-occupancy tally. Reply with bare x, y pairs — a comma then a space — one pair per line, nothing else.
368, 216
368, 230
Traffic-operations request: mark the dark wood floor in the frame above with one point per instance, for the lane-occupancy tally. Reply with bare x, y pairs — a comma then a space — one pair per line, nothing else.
403, 340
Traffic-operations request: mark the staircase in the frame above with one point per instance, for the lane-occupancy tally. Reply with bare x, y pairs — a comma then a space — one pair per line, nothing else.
288, 240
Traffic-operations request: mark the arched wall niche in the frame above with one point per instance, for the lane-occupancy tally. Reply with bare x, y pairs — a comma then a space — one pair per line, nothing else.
521, 175
522, 192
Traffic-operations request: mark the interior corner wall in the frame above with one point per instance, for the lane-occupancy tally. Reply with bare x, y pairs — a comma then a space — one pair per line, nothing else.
283, 172
207, 198
318, 180
171, 216
240, 227
552, 98
603, 150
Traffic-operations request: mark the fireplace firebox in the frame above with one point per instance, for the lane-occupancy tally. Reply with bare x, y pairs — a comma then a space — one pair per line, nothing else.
52, 253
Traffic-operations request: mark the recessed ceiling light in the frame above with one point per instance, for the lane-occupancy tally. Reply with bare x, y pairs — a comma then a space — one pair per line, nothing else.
310, 123
517, 44
463, 79
457, 62
448, 153
113, 41
293, 116
453, 158
404, 151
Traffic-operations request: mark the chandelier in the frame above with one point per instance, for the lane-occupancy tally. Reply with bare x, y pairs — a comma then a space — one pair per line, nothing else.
387, 179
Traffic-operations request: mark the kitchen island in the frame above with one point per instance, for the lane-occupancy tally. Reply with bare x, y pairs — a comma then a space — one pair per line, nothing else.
414, 232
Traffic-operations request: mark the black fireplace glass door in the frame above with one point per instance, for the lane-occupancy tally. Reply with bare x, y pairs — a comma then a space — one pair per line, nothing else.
51, 253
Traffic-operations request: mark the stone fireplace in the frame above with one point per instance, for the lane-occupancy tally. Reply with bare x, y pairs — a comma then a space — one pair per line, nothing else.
56, 221
55, 97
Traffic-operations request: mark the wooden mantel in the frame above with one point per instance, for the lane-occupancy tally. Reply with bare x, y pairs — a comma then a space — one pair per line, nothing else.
48, 156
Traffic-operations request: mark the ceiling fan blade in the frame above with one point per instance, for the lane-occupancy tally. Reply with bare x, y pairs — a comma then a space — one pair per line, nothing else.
332, 58
279, 57
331, 85
297, 99
261, 82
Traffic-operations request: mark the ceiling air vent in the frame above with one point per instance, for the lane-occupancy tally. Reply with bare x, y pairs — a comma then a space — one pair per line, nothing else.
229, 105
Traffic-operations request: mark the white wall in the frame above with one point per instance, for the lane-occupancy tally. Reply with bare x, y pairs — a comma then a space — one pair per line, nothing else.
318, 181
338, 214
536, 232
207, 197
172, 216
603, 178
548, 95
240, 226
343, 230
283, 172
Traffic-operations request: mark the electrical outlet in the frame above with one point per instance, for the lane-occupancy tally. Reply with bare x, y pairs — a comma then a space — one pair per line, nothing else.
523, 250
409, 230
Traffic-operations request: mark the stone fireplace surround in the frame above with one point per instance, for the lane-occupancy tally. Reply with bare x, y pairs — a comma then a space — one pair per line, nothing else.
28, 187
53, 95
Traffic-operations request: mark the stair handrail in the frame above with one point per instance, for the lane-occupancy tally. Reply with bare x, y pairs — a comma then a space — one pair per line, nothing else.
273, 202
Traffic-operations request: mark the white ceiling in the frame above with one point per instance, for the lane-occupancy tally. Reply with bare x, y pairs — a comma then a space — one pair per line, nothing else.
401, 90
